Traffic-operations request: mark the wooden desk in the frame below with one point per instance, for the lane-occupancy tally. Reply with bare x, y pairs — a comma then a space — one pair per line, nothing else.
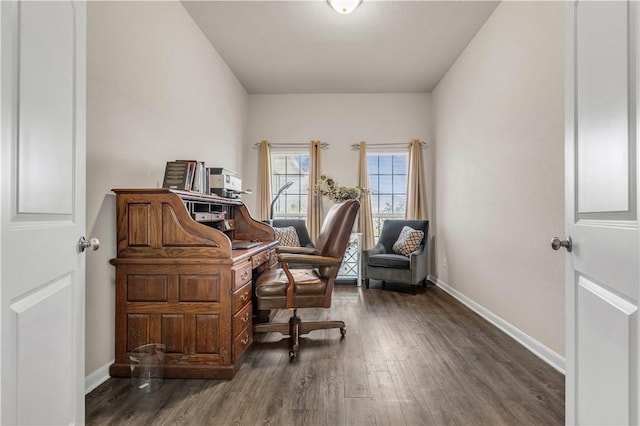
179, 283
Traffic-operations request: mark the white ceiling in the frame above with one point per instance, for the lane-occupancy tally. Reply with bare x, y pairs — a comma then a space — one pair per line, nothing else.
306, 47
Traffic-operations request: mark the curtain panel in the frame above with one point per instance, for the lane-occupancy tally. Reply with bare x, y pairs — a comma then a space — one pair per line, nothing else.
265, 180
365, 215
314, 213
416, 187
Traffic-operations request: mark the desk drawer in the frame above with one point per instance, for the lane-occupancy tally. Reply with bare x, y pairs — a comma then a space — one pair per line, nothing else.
273, 258
241, 297
260, 258
242, 342
242, 319
241, 274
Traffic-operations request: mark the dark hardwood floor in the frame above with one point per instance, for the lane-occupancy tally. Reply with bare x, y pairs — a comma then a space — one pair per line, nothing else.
406, 360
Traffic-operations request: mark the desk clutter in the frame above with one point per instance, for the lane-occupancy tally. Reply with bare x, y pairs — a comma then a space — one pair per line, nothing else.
194, 176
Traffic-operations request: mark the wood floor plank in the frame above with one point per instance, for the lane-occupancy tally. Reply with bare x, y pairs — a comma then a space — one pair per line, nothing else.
411, 393
386, 405
414, 360
359, 411
331, 405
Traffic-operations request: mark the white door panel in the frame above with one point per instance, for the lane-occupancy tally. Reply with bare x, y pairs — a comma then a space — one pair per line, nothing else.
42, 94
599, 250
602, 277
45, 339
46, 108
604, 338
603, 184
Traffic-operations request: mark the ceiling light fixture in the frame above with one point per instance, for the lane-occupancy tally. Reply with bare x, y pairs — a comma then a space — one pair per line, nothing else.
344, 7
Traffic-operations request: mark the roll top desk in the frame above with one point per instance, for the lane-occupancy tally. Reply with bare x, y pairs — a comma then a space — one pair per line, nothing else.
179, 283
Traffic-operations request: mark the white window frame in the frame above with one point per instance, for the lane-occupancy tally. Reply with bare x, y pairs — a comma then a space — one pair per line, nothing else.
298, 192
398, 192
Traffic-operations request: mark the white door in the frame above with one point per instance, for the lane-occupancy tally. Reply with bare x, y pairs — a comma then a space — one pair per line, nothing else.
42, 110
602, 280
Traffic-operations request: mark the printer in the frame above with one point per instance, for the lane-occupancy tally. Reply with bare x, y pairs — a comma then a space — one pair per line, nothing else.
223, 182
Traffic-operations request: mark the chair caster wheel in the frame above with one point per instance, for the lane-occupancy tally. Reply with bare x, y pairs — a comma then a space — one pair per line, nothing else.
292, 355
343, 331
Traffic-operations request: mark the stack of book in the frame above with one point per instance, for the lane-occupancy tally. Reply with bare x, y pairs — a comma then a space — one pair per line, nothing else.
186, 175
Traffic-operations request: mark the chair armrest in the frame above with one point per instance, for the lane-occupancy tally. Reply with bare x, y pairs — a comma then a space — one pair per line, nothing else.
296, 250
417, 253
377, 249
309, 259
419, 262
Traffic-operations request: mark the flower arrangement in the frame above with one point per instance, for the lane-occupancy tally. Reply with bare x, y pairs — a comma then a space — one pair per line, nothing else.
327, 187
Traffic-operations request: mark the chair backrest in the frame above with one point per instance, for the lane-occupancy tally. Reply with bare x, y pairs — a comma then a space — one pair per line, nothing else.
299, 225
335, 232
392, 228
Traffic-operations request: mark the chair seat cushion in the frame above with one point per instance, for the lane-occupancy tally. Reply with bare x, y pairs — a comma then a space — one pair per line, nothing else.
395, 261
273, 283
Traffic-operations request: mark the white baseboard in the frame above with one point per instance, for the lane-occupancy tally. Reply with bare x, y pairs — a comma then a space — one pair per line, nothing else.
97, 378
541, 351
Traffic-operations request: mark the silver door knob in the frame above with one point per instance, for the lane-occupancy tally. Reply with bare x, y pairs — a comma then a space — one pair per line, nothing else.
556, 243
93, 244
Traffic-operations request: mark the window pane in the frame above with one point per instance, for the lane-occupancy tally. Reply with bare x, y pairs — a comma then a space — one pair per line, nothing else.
399, 184
399, 204
386, 205
290, 167
304, 202
304, 164
293, 204
372, 164
377, 227
295, 188
374, 204
385, 164
373, 183
278, 164
400, 164
278, 207
386, 184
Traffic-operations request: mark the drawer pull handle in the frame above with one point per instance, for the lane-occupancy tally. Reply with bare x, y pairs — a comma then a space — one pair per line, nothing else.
244, 296
245, 318
244, 275
245, 340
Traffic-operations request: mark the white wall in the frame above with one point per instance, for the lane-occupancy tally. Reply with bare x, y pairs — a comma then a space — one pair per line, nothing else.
499, 149
339, 119
156, 91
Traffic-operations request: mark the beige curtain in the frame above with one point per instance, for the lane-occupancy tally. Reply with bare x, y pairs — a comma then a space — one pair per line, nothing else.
314, 212
265, 180
365, 217
416, 189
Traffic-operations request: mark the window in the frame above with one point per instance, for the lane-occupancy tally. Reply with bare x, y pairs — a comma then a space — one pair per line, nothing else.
388, 185
290, 167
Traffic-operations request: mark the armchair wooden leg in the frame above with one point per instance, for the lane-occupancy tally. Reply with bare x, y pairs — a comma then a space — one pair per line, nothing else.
366, 283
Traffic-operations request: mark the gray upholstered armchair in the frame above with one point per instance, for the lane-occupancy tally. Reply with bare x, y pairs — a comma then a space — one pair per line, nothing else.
382, 263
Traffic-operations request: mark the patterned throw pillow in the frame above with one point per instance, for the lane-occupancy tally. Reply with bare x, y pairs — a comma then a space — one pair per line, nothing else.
408, 241
287, 236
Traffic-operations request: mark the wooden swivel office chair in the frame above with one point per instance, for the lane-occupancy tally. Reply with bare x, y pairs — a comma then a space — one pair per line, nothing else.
307, 288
